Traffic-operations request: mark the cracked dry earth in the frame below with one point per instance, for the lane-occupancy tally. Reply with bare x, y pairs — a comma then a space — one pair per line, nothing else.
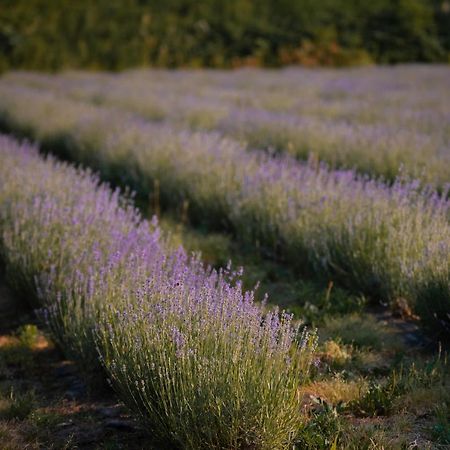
44, 404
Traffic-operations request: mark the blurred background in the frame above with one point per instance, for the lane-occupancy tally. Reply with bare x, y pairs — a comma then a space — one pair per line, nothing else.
117, 34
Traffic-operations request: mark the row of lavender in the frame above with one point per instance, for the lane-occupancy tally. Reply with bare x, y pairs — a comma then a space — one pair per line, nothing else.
388, 242
184, 346
380, 121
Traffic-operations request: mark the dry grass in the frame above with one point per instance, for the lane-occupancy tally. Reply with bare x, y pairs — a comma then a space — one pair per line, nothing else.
336, 390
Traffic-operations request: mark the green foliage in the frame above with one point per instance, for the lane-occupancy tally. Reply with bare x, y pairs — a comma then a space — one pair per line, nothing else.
441, 429
380, 395
379, 398
403, 32
113, 34
19, 351
28, 335
360, 331
323, 429
17, 406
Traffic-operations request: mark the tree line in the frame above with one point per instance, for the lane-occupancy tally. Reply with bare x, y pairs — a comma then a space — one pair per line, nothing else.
116, 34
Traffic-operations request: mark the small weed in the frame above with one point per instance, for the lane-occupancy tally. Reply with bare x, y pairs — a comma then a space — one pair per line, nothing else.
380, 396
17, 350
323, 429
18, 406
378, 399
441, 429
28, 335
13, 355
335, 354
45, 420
311, 301
111, 445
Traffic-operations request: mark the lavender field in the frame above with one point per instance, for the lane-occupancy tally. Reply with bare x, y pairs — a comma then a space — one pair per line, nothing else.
146, 215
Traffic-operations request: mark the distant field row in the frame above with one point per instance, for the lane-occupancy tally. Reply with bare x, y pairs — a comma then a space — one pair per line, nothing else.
389, 242
379, 121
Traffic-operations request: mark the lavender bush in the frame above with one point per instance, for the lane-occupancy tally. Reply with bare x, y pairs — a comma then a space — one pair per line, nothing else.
69, 244
201, 367
388, 242
186, 349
